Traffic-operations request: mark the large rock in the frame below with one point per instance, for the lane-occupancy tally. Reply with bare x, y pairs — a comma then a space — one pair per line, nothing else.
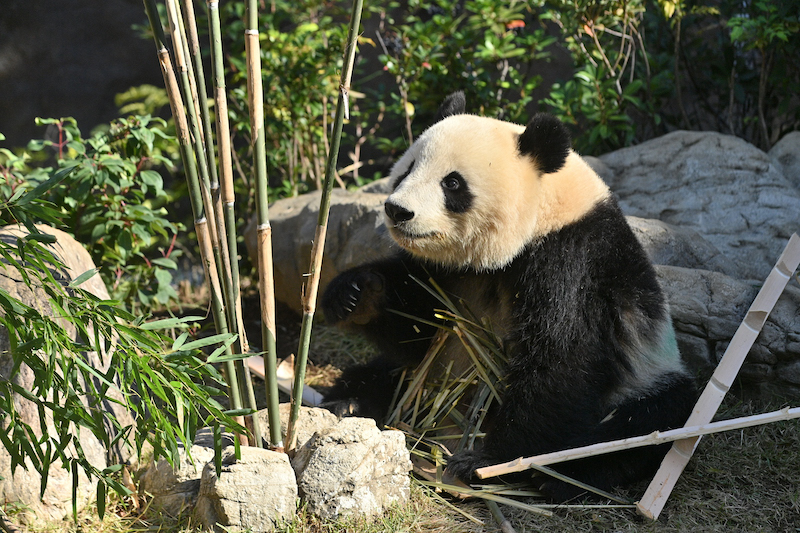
666, 244
786, 156
355, 235
353, 468
309, 421
707, 308
253, 493
723, 188
173, 489
23, 485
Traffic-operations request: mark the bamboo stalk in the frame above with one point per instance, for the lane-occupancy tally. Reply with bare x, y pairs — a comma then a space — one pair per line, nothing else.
266, 282
312, 285
678, 456
225, 233
225, 157
187, 153
657, 437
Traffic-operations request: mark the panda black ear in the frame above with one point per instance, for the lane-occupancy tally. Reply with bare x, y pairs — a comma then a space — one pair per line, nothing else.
454, 104
546, 140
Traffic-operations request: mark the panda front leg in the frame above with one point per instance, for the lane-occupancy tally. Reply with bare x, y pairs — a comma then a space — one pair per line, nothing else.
378, 300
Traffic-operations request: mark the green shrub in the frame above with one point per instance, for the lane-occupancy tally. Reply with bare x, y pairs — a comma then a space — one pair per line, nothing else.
163, 382
110, 198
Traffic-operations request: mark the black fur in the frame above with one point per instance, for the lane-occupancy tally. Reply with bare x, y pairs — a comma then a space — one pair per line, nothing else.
457, 196
546, 140
403, 176
566, 347
454, 104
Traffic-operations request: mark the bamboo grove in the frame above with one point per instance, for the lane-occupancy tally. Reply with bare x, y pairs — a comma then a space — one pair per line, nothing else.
206, 156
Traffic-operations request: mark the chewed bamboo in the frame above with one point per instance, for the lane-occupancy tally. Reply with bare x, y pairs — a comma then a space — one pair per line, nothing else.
312, 284
657, 437
678, 456
266, 283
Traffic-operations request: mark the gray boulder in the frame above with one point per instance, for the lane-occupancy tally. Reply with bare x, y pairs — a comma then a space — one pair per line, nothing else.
725, 189
666, 244
355, 235
353, 468
707, 308
254, 493
173, 489
786, 156
310, 421
23, 485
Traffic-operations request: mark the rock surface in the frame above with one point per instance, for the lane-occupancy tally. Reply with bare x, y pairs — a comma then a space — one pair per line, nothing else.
174, 489
24, 485
253, 493
353, 468
310, 421
786, 156
355, 234
707, 308
725, 189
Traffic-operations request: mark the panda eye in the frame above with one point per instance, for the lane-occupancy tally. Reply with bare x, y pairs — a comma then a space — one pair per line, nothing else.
453, 181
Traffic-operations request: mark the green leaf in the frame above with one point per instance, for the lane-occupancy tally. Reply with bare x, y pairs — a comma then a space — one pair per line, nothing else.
101, 498
82, 278
167, 323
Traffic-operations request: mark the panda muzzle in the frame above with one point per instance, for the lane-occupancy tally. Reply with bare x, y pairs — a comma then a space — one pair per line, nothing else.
396, 213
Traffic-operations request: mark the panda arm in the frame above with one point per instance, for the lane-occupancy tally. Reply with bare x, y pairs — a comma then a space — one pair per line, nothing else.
383, 302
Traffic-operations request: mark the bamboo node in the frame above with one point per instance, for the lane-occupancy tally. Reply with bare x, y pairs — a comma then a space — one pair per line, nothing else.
250, 31
718, 384
345, 90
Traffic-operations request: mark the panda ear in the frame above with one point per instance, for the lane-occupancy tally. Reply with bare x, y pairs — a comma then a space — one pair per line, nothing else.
454, 104
546, 140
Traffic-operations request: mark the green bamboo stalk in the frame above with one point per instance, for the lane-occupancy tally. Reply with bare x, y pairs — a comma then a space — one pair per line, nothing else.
310, 290
200, 205
224, 144
266, 282
219, 232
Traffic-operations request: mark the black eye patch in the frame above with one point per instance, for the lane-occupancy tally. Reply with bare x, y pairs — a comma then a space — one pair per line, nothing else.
403, 176
457, 196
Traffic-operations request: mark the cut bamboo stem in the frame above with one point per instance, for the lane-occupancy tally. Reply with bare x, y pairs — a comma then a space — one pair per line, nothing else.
657, 437
707, 405
266, 282
312, 285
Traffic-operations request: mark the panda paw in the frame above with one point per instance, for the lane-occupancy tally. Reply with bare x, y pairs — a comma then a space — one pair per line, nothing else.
354, 296
463, 464
342, 408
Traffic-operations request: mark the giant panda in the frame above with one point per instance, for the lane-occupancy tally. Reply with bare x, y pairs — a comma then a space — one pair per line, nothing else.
516, 224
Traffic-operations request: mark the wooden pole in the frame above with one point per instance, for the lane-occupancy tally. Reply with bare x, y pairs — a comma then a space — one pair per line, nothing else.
657, 437
678, 456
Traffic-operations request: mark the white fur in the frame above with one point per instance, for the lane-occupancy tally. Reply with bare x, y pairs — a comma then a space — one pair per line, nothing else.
514, 204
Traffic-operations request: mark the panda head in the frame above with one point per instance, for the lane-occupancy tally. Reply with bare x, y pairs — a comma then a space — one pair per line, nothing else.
474, 191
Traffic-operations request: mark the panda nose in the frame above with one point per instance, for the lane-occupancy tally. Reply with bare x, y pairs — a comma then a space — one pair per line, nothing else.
396, 213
